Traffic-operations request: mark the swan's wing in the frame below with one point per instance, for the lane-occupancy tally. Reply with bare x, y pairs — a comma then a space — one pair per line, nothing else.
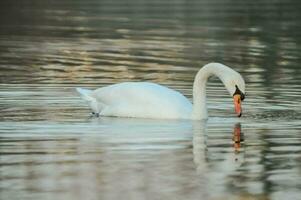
142, 99
138, 92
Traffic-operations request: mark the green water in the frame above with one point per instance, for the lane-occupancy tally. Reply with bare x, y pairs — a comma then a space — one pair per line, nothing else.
51, 149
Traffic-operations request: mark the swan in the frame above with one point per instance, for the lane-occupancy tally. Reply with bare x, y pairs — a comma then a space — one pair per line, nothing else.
150, 100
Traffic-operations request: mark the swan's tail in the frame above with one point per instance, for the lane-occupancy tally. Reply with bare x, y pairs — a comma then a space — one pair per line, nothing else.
85, 94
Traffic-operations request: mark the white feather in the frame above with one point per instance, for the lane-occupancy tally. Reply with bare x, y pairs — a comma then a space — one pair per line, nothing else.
150, 100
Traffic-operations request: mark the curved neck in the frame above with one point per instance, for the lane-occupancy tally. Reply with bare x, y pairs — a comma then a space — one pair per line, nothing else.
199, 110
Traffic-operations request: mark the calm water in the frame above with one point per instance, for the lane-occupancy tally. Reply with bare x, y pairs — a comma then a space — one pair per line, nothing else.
51, 149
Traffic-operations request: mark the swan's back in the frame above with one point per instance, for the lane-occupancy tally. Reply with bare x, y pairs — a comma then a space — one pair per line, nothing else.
143, 100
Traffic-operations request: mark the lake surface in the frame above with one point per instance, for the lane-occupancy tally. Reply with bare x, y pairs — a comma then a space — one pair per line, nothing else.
51, 148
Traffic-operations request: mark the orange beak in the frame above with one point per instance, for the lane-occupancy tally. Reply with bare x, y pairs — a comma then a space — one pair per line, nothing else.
237, 104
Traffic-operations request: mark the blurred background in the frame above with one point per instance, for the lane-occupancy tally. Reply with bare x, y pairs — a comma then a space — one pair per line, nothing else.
75, 41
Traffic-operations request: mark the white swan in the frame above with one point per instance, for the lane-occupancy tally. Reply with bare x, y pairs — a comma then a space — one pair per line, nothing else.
150, 100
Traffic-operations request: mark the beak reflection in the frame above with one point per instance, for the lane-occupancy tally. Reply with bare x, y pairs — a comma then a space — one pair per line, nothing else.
238, 137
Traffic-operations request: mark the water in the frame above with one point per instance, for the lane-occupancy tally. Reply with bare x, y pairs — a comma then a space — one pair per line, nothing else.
51, 149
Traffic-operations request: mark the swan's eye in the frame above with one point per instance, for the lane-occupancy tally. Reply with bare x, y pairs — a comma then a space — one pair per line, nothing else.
237, 91
242, 96
93, 113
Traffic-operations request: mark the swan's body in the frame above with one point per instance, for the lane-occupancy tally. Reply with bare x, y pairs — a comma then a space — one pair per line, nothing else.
143, 100
150, 100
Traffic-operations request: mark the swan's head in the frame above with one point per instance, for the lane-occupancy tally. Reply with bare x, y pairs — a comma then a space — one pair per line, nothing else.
235, 85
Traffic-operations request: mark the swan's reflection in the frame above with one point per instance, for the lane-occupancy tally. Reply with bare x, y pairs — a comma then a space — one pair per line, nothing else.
199, 146
206, 157
217, 160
